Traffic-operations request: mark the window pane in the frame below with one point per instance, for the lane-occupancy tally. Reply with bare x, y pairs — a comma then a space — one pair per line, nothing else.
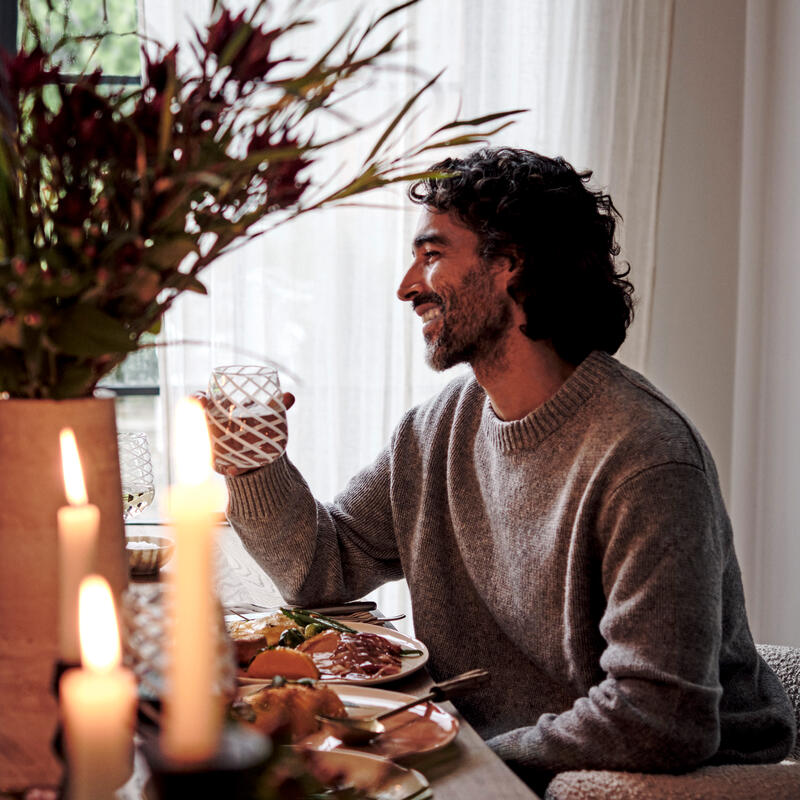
140, 368
115, 55
145, 414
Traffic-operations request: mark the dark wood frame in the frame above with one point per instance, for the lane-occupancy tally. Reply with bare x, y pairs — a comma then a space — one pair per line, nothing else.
8, 25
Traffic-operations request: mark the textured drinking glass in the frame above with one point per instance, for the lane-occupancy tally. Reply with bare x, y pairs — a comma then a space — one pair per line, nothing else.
136, 473
246, 416
145, 621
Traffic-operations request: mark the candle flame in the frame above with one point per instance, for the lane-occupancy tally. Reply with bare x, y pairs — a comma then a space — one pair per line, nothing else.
74, 486
97, 622
192, 445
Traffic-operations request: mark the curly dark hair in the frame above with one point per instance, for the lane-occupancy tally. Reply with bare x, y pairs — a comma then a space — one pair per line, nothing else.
539, 210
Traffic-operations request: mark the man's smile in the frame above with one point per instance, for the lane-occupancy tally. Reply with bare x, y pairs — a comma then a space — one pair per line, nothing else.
429, 310
430, 318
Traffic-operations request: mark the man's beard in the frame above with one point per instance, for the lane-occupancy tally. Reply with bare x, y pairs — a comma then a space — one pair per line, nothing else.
473, 322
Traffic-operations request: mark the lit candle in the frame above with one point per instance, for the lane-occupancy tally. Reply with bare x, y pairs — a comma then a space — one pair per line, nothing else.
98, 701
193, 707
77, 538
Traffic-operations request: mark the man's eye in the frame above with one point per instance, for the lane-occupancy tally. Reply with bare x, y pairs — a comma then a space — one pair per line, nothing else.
430, 253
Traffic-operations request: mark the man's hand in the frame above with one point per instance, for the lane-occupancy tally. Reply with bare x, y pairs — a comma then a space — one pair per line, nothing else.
268, 450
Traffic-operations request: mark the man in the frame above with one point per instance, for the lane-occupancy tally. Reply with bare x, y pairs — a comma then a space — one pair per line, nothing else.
557, 519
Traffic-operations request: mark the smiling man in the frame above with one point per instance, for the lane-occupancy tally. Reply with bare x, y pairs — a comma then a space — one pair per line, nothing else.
558, 520
478, 310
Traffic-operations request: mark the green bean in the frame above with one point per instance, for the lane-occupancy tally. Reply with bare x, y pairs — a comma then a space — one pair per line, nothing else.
302, 617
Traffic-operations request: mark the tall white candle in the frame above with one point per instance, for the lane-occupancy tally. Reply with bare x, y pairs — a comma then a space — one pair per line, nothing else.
193, 707
77, 540
98, 701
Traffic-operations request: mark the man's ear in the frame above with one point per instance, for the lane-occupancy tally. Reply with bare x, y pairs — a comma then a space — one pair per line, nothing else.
507, 262
512, 273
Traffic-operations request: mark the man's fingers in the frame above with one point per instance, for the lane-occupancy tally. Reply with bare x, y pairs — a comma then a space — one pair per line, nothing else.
259, 433
201, 398
233, 471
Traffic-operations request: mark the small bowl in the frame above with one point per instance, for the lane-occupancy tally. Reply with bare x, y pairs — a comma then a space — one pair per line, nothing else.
148, 560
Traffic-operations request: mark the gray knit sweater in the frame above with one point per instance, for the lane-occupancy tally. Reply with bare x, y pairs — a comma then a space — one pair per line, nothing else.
582, 554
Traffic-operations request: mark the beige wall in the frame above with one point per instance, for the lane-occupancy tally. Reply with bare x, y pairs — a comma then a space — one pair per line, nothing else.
725, 330
692, 339
766, 453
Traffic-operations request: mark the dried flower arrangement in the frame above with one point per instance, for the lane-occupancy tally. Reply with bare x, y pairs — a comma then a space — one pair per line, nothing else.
112, 203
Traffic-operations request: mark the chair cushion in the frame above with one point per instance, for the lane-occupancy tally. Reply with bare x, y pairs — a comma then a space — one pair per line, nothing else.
785, 663
727, 782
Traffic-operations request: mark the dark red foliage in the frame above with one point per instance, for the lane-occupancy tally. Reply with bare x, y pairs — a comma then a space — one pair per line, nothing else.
221, 32
72, 207
283, 187
84, 129
145, 117
158, 72
116, 192
280, 176
129, 255
27, 70
253, 61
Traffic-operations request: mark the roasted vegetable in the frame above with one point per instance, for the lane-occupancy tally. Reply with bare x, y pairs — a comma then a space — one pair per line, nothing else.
292, 637
303, 618
282, 661
288, 706
312, 630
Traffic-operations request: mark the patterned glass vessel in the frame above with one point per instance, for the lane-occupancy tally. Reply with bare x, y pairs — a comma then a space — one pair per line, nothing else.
145, 625
136, 473
246, 416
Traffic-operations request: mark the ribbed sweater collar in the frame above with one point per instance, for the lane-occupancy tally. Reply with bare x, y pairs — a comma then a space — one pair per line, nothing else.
541, 422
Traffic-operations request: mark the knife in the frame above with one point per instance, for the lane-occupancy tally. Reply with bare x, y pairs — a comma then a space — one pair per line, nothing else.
345, 608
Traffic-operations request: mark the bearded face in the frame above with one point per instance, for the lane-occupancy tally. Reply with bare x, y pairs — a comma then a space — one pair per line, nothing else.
467, 321
462, 300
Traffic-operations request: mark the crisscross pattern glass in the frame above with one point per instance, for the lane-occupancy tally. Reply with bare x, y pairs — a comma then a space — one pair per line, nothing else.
136, 473
145, 622
246, 416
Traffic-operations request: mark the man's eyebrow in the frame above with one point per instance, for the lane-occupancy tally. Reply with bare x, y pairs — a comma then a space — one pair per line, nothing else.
429, 238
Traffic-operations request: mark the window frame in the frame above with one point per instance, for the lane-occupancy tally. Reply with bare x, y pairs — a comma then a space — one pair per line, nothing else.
9, 19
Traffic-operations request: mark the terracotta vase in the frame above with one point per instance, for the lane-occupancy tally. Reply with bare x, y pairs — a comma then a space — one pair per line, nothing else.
31, 491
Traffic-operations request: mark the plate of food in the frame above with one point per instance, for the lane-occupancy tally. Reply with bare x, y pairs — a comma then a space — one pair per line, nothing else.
420, 729
288, 710
372, 777
298, 644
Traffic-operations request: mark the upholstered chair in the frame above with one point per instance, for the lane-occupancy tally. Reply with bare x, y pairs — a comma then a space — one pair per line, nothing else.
728, 782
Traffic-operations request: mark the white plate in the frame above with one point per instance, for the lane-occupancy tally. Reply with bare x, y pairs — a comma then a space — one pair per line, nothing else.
379, 778
421, 729
408, 664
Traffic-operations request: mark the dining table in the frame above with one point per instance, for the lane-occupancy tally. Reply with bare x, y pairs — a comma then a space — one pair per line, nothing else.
465, 769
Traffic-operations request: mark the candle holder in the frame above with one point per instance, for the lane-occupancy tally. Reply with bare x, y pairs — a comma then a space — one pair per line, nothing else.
232, 772
60, 666
58, 743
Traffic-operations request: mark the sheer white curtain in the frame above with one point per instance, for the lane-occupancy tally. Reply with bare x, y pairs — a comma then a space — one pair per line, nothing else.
317, 296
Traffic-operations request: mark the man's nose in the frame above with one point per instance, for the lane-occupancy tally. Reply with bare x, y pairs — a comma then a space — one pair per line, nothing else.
411, 285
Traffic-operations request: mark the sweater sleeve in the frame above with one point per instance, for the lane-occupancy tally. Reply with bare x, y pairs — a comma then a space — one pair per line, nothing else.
663, 543
317, 553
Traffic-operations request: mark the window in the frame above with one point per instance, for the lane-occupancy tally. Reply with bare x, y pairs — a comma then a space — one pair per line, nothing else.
117, 54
